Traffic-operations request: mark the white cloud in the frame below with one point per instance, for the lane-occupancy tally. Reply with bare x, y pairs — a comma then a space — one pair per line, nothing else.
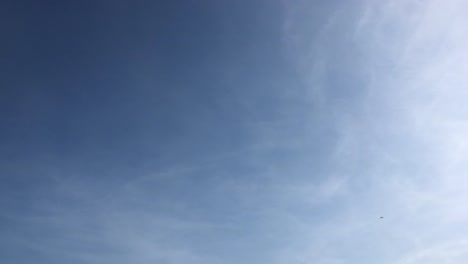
408, 142
451, 252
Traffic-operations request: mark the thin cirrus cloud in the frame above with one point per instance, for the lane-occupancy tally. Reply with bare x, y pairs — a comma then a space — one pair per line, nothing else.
368, 121
410, 125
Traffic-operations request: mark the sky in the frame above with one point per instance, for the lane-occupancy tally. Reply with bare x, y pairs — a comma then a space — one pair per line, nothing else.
260, 131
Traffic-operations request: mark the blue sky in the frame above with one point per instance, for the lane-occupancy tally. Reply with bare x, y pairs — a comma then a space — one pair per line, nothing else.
234, 132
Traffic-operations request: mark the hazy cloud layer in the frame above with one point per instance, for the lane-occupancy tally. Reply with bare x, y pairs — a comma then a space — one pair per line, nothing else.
273, 132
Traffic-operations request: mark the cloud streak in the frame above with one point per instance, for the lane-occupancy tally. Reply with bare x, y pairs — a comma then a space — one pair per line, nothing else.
406, 139
296, 168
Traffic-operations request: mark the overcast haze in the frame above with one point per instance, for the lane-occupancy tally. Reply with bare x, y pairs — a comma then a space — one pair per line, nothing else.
260, 131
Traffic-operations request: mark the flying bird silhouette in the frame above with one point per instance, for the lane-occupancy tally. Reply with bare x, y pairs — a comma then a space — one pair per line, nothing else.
381, 217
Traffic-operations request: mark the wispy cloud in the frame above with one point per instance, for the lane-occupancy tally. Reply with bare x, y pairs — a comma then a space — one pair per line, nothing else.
371, 122
406, 139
